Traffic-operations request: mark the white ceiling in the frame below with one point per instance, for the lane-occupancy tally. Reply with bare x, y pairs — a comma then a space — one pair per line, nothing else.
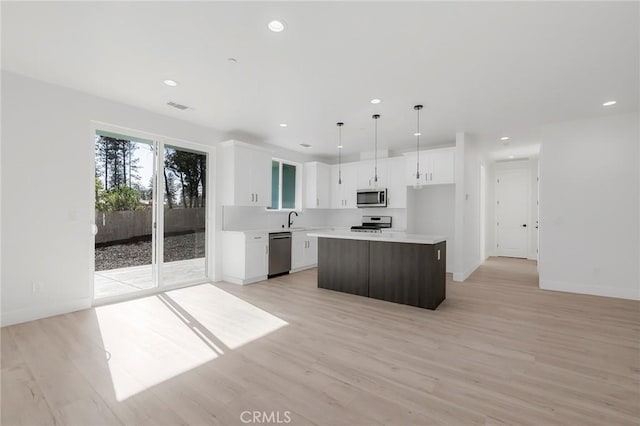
490, 69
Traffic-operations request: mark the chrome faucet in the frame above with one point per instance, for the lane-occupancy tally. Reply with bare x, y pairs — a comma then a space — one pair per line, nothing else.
289, 221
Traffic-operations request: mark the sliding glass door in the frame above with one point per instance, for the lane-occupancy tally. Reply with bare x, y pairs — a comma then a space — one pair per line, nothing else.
184, 224
124, 215
150, 215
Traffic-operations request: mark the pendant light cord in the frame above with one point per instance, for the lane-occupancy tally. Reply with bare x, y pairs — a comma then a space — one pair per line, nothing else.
418, 108
339, 152
375, 153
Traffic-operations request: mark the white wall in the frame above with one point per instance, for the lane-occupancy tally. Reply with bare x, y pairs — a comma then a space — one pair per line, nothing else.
430, 210
589, 206
46, 190
471, 205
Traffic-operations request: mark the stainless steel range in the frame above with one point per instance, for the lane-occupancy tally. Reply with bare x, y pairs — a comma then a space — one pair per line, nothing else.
373, 224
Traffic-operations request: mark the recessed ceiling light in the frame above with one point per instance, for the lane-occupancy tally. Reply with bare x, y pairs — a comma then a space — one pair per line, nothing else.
375, 101
283, 124
171, 83
417, 134
305, 145
504, 138
339, 146
609, 103
511, 156
276, 26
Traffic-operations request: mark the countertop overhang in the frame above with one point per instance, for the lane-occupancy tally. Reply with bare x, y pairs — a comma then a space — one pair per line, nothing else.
392, 237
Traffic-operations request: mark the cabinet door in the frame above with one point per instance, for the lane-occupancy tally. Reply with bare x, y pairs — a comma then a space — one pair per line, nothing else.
442, 166
337, 201
261, 178
256, 260
298, 244
350, 185
243, 192
311, 251
364, 174
323, 185
410, 168
396, 187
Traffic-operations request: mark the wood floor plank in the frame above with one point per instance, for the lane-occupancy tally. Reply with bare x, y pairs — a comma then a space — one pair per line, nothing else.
498, 351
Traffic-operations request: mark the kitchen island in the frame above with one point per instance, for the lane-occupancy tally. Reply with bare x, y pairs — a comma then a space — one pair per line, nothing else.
392, 266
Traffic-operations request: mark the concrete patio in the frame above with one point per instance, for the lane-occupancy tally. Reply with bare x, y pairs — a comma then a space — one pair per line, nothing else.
116, 282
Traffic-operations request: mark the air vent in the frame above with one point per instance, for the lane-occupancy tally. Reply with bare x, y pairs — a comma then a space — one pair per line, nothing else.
177, 105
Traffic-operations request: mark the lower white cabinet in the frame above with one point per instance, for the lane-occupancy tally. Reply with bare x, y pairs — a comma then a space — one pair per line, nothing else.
304, 251
245, 258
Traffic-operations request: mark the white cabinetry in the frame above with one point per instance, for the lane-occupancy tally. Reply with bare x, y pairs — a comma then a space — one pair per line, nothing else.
343, 196
437, 166
317, 193
245, 258
366, 171
245, 174
395, 183
304, 251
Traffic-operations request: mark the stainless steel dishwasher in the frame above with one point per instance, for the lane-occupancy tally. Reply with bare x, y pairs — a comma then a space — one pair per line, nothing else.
279, 253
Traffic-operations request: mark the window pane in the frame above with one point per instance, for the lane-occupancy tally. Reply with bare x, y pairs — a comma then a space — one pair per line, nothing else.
288, 186
275, 178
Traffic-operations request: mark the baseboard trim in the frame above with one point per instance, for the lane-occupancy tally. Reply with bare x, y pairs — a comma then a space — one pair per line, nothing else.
38, 312
578, 288
462, 276
240, 281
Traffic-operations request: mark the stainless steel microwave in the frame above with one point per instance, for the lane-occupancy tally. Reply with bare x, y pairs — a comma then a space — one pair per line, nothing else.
372, 198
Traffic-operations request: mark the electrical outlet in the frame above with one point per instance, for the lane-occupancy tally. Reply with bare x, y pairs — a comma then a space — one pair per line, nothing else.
36, 287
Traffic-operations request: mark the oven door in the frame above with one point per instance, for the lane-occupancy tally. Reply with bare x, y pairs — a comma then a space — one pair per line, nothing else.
372, 198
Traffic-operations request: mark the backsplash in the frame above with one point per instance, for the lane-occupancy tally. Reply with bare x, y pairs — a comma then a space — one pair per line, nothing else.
247, 218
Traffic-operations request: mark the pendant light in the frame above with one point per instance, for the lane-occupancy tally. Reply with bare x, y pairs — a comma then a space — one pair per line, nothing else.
418, 183
339, 152
375, 151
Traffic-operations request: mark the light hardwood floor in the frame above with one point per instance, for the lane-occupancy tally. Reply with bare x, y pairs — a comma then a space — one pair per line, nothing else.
497, 351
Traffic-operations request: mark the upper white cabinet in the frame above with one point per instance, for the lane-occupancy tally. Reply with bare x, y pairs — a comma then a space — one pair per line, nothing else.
366, 172
317, 185
437, 166
343, 195
245, 174
396, 183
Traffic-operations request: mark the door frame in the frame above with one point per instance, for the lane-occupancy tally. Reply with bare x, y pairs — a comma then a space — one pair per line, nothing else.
157, 214
498, 172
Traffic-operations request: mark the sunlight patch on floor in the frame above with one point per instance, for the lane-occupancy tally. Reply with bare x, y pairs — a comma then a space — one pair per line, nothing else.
179, 331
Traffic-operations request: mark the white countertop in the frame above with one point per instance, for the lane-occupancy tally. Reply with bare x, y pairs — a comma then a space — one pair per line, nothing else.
387, 236
271, 230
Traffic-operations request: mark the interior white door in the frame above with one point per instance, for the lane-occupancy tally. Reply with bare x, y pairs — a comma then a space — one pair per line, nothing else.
512, 212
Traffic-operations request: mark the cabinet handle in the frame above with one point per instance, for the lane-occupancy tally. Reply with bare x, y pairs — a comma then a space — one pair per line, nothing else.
252, 197
256, 197
317, 202
431, 176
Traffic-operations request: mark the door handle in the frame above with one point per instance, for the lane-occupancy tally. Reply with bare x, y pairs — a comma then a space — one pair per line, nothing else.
524, 225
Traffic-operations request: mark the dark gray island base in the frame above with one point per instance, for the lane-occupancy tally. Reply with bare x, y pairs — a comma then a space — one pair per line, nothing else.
408, 273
